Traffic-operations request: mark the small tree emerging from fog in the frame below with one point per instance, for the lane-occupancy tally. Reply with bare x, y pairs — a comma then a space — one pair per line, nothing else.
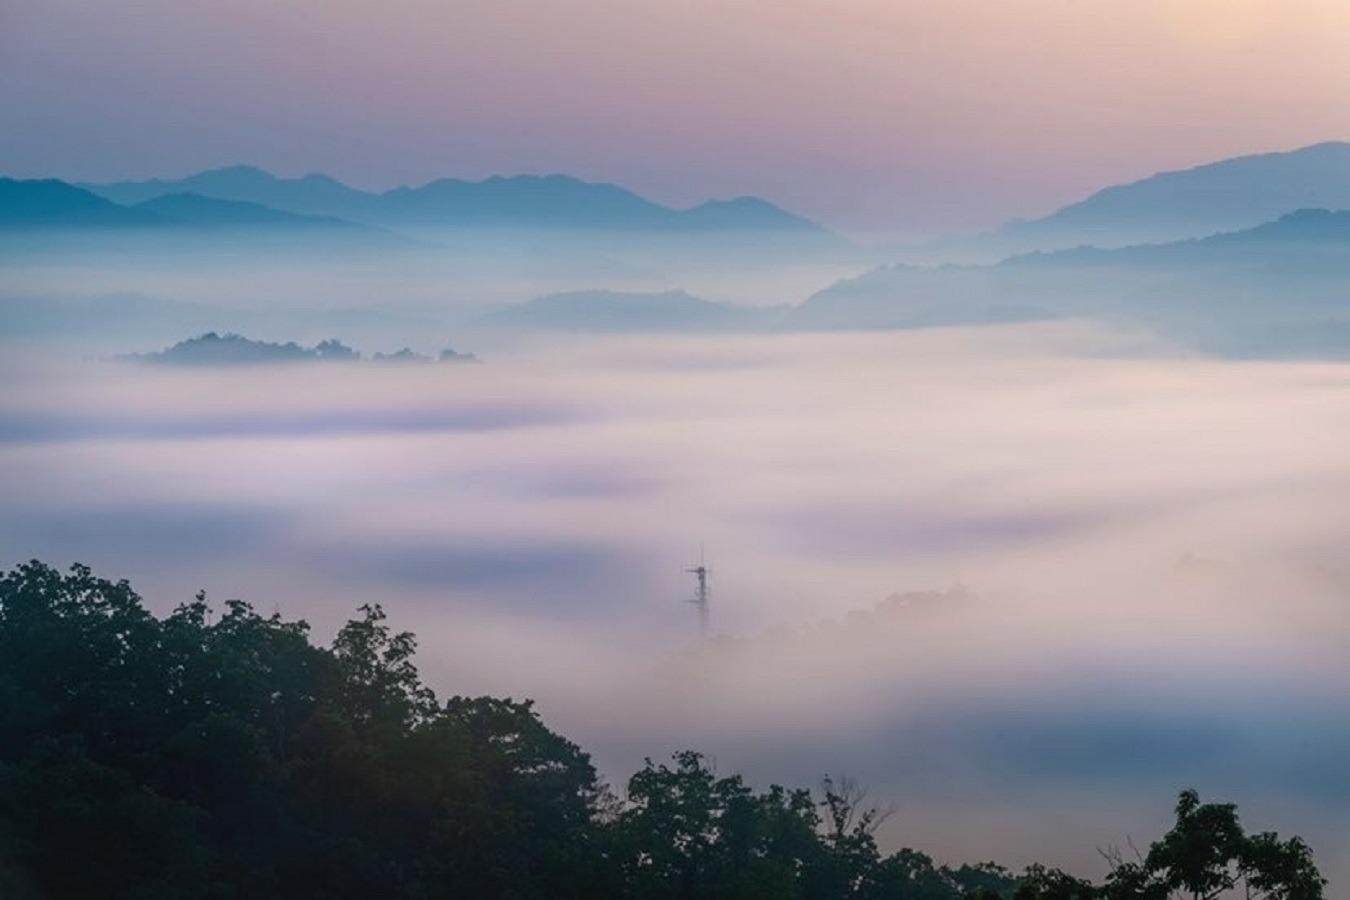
1206, 855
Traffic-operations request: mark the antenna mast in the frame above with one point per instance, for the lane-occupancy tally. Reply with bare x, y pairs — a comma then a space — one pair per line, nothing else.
700, 598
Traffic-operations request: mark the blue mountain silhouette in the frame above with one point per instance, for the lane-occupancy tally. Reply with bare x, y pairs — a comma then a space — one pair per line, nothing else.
519, 201
51, 207
50, 203
1227, 195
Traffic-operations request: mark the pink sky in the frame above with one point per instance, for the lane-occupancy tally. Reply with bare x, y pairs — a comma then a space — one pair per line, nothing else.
870, 115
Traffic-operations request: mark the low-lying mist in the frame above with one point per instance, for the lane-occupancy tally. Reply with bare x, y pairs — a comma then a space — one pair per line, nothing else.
111, 300
1025, 581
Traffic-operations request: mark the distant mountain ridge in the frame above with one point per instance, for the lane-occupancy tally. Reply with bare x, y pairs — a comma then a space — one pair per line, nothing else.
1226, 195
518, 201
54, 204
195, 209
1276, 289
1303, 231
310, 195
631, 311
50, 203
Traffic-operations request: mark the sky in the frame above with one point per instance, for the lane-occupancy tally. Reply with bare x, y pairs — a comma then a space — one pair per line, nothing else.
875, 116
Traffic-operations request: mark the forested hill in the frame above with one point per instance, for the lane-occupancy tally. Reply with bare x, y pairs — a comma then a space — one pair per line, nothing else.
224, 755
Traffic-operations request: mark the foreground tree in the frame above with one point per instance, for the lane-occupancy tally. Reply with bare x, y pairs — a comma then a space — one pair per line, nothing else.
1207, 854
227, 756
203, 756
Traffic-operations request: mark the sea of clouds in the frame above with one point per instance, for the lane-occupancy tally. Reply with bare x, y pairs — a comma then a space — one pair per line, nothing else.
1025, 582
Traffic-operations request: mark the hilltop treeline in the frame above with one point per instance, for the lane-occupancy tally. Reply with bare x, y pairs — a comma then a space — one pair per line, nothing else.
212, 349
225, 755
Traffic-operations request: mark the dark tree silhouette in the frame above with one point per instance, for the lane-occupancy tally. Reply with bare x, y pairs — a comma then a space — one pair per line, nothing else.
1207, 855
226, 756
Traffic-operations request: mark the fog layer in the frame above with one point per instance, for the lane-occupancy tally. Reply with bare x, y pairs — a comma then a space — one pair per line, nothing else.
1129, 563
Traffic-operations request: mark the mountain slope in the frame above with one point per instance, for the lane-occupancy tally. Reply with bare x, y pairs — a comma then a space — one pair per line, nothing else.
1278, 289
194, 209
310, 195
617, 311
523, 200
49, 203
53, 216
1311, 236
1226, 195
745, 214
518, 202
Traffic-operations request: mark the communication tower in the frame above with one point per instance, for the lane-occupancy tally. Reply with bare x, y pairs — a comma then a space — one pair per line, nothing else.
700, 598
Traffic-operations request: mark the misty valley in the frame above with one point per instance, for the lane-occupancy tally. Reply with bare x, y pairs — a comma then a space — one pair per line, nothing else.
1005, 541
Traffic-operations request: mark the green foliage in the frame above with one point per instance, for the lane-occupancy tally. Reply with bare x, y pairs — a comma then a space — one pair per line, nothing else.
204, 756
1207, 854
1042, 883
226, 756
688, 833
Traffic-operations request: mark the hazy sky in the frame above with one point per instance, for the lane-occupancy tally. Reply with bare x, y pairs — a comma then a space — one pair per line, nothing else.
869, 114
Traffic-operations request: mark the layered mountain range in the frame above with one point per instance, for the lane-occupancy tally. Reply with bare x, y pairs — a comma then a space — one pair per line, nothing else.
1244, 256
1281, 288
520, 201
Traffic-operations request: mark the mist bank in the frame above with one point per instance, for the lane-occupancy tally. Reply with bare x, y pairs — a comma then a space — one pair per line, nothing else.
121, 324
1270, 291
1276, 290
1148, 601
1273, 290
135, 291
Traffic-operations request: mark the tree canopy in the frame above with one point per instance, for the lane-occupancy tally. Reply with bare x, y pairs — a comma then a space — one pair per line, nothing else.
225, 755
